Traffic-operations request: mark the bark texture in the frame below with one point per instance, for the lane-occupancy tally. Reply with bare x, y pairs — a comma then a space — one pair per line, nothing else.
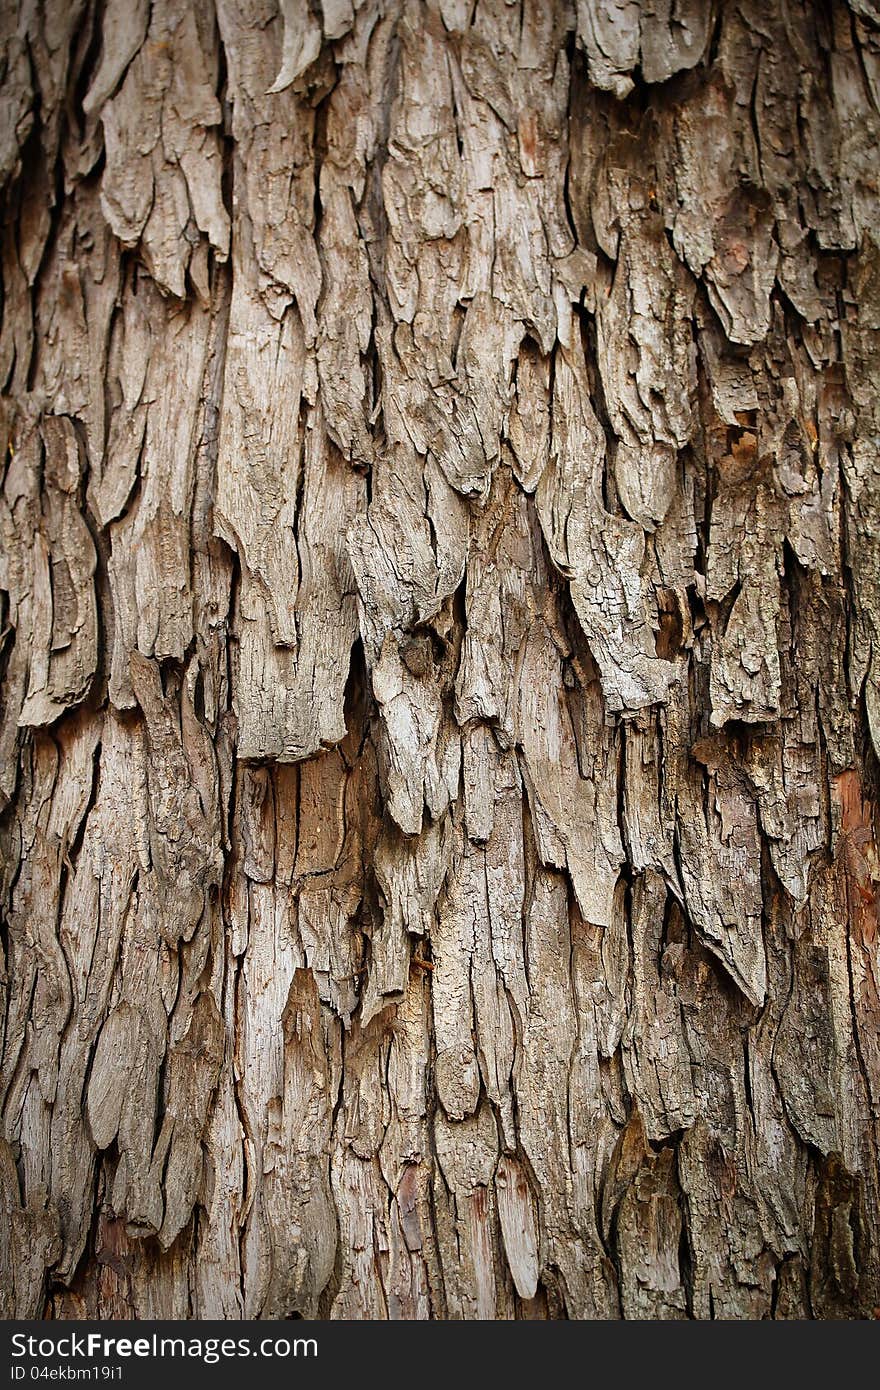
440, 670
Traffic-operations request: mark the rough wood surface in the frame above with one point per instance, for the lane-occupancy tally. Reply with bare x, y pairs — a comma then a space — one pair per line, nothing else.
440, 658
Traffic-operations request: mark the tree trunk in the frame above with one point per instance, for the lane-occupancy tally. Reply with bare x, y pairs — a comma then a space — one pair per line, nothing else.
441, 659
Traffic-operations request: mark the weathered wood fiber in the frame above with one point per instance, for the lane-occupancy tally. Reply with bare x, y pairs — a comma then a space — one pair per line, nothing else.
440, 658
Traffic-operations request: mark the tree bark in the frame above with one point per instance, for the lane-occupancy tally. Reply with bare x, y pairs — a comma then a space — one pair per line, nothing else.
440, 659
